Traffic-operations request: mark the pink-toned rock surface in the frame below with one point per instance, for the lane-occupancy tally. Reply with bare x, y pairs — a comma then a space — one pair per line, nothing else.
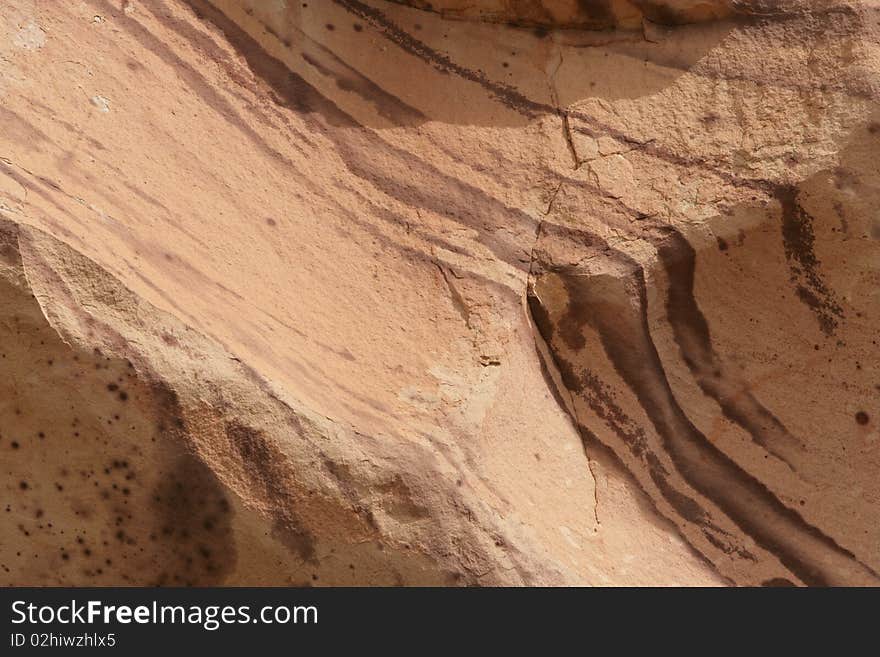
348, 292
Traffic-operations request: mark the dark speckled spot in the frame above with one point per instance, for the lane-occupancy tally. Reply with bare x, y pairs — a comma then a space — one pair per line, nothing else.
192, 515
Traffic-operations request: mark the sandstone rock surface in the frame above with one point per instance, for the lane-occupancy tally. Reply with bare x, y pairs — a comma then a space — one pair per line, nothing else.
348, 292
589, 14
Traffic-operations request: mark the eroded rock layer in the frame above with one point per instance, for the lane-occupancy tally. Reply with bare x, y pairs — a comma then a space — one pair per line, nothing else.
591, 14
347, 292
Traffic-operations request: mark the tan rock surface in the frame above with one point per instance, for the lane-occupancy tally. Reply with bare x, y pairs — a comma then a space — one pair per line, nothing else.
592, 14
346, 292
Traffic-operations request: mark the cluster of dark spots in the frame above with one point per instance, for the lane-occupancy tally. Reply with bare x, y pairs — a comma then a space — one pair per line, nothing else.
799, 243
193, 523
725, 546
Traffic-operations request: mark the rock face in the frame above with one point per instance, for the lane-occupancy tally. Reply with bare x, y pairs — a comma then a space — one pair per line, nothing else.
589, 14
347, 292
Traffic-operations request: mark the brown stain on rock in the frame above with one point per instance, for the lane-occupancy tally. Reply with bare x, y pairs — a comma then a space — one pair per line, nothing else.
799, 242
113, 494
265, 466
678, 259
615, 306
193, 521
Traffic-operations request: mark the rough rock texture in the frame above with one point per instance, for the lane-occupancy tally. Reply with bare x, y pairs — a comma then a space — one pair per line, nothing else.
346, 292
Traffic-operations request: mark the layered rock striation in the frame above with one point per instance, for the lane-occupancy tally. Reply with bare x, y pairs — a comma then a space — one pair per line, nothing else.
348, 292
